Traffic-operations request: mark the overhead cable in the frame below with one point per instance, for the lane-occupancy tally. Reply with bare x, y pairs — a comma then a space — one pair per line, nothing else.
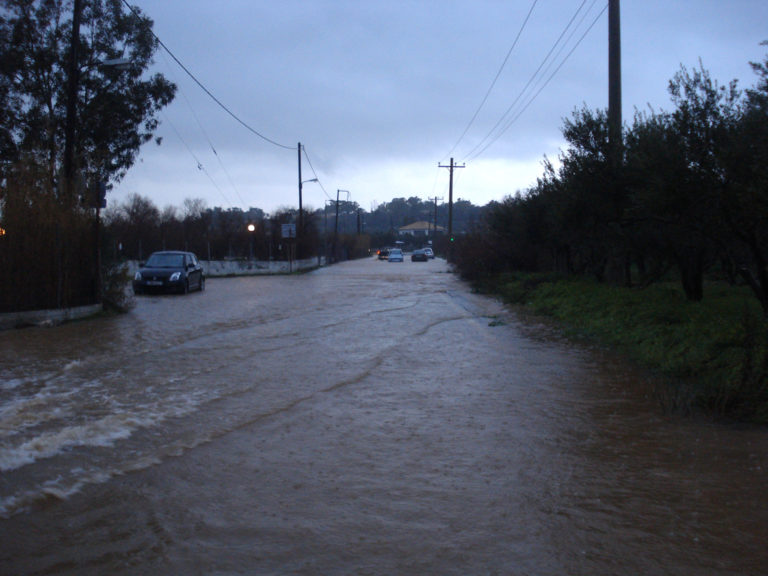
548, 80
304, 149
530, 81
490, 88
200, 165
489, 138
210, 144
208, 92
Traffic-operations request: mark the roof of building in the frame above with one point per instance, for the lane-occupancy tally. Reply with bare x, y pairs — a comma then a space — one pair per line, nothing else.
421, 225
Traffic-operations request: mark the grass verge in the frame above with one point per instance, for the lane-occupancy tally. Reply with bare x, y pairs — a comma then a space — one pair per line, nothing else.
710, 355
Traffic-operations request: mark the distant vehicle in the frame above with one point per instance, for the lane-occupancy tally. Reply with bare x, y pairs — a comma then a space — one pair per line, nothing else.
383, 253
419, 255
395, 255
169, 271
430, 253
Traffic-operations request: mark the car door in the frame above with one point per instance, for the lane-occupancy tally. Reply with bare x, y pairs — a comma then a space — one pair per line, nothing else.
194, 270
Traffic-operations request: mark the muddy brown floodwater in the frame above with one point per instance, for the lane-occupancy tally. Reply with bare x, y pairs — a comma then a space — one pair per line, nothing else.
369, 418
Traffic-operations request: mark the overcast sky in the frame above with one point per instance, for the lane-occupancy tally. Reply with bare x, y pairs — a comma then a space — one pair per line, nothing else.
380, 92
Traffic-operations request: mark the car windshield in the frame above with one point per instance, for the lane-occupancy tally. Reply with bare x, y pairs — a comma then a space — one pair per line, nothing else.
166, 261
395, 252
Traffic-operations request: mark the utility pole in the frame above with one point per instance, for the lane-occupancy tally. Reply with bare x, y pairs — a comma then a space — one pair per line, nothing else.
336, 225
451, 167
300, 227
434, 222
614, 83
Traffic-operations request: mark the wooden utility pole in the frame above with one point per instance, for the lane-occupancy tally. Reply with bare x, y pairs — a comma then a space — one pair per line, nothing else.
300, 227
450, 167
614, 83
434, 222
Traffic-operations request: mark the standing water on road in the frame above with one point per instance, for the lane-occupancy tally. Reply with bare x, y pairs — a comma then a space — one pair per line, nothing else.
368, 418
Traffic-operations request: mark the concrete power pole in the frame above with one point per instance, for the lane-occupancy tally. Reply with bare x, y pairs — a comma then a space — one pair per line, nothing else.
614, 83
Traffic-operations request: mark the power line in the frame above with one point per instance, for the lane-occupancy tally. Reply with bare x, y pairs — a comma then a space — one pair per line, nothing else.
528, 84
200, 165
546, 83
489, 139
210, 144
319, 182
208, 92
490, 88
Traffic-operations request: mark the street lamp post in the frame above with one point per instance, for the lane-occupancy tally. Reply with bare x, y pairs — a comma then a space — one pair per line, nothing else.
300, 228
328, 258
301, 209
251, 229
336, 225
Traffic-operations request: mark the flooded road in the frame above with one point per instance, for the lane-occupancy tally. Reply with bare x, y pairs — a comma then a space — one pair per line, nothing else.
369, 418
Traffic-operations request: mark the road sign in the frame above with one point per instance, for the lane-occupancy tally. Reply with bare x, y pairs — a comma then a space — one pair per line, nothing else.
289, 230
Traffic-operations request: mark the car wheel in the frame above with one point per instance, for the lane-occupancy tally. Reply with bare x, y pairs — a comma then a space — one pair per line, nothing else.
202, 284
185, 287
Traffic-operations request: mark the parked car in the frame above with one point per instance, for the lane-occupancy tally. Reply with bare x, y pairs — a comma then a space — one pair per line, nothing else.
430, 253
169, 271
383, 253
395, 255
419, 255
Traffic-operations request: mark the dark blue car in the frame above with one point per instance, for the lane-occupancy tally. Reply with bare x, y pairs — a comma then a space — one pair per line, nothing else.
169, 271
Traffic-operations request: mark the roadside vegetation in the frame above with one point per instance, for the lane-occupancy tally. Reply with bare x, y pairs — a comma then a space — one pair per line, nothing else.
709, 356
663, 254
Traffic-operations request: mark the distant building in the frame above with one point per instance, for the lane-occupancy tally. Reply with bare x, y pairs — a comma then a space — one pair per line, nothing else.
419, 229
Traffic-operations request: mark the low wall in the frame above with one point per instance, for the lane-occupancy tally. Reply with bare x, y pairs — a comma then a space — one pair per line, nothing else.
221, 268
212, 269
46, 317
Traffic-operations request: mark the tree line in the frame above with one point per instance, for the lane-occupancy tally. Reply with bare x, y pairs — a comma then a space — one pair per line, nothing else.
688, 200
136, 227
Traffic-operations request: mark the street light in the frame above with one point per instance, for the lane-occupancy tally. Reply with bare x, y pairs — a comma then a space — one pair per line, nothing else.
301, 209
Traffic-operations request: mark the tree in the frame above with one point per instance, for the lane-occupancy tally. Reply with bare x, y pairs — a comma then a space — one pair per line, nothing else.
583, 199
744, 204
137, 221
654, 168
115, 108
701, 123
68, 122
